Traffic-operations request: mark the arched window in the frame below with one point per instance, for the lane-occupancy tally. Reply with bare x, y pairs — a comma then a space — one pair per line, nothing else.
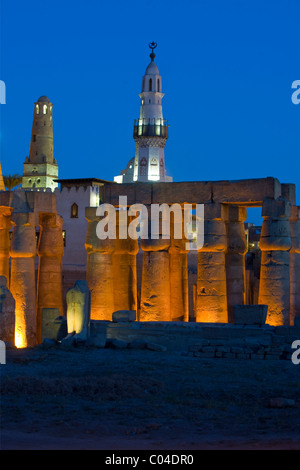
37, 109
158, 85
150, 84
44, 109
74, 211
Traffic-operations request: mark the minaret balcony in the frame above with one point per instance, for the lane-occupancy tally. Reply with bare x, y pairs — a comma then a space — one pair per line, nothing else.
155, 127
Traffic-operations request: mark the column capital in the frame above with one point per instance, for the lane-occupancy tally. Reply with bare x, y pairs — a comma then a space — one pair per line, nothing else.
5, 217
215, 236
92, 241
276, 230
50, 240
23, 242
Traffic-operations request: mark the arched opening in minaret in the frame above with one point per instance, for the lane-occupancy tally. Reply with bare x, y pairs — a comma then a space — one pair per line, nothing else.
74, 211
150, 84
158, 85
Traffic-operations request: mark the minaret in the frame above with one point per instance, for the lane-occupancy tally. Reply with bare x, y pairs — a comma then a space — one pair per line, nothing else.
150, 131
40, 168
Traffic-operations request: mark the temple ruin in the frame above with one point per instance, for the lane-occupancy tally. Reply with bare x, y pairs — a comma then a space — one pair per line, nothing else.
151, 276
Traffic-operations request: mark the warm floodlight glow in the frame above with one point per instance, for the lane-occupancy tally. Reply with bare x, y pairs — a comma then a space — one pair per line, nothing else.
20, 341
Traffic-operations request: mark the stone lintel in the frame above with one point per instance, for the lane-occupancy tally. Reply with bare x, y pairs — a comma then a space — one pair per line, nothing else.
249, 192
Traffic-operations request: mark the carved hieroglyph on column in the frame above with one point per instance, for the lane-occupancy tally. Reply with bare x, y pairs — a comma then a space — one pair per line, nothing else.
124, 265
275, 243
295, 264
50, 251
235, 258
5, 225
99, 269
211, 303
22, 280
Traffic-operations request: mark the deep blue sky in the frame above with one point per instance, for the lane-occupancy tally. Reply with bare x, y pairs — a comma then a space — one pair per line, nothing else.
227, 69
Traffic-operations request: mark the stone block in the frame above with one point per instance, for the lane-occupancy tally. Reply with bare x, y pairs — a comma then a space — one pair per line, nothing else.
116, 343
156, 347
97, 341
249, 191
78, 309
54, 326
124, 316
250, 314
276, 208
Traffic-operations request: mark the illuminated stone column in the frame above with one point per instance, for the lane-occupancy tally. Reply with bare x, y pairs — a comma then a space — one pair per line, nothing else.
235, 258
179, 298
155, 291
295, 264
211, 303
275, 243
50, 251
124, 266
5, 225
22, 277
99, 274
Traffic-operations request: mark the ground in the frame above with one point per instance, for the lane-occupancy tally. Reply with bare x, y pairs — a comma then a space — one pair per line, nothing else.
112, 399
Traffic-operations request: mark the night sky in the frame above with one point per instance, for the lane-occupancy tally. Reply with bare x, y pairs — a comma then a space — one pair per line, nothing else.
227, 69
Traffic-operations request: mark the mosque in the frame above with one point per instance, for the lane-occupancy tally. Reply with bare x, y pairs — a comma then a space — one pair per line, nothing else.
48, 236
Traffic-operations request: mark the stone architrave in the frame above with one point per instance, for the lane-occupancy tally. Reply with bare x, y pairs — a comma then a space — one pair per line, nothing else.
99, 269
50, 251
7, 313
295, 264
22, 277
5, 225
235, 258
275, 243
211, 305
78, 310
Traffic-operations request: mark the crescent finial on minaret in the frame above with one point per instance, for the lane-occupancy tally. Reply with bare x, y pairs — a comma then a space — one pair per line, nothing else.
152, 46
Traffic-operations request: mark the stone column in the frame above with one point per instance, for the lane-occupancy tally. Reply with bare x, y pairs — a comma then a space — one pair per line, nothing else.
211, 303
50, 251
124, 267
178, 255
275, 243
295, 264
99, 269
5, 225
22, 278
7, 312
235, 258
155, 291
